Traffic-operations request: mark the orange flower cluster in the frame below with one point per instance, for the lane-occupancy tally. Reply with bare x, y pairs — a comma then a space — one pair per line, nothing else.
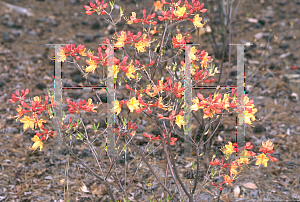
144, 20
33, 121
249, 110
139, 41
243, 159
210, 106
37, 108
180, 13
172, 139
132, 133
70, 50
178, 41
76, 107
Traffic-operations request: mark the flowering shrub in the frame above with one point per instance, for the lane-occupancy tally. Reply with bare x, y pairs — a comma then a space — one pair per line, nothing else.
212, 107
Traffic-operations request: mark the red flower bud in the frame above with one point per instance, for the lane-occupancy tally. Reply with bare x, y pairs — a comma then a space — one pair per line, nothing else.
137, 62
213, 184
161, 18
87, 8
274, 159
93, 5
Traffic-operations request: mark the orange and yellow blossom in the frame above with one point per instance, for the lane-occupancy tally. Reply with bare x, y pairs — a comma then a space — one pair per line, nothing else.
228, 149
197, 21
233, 168
117, 107
149, 89
131, 71
244, 158
92, 66
28, 122
89, 106
40, 123
180, 11
154, 31
227, 179
19, 110
225, 102
81, 52
178, 41
249, 115
160, 104
268, 145
132, 18
179, 120
205, 60
262, 159
133, 104
179, 37
208, 112
115, 72
196, 105
156, 89
158, 6
121, 40
192, 53
249, 111
37, 143
62, 55
140, 46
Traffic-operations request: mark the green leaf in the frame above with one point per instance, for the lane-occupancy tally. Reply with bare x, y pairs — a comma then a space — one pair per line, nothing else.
148, 148
162, 52
128, 147
111, 3
50, 111
213, 173
141, 89
79, 136
180, 101
157, 47
64, 115
186, 130
193, 165
95, 128
125, 147
122, 11
78, 122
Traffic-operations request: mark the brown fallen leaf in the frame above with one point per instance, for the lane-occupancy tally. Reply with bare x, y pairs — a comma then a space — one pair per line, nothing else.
250, 185
99, 189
